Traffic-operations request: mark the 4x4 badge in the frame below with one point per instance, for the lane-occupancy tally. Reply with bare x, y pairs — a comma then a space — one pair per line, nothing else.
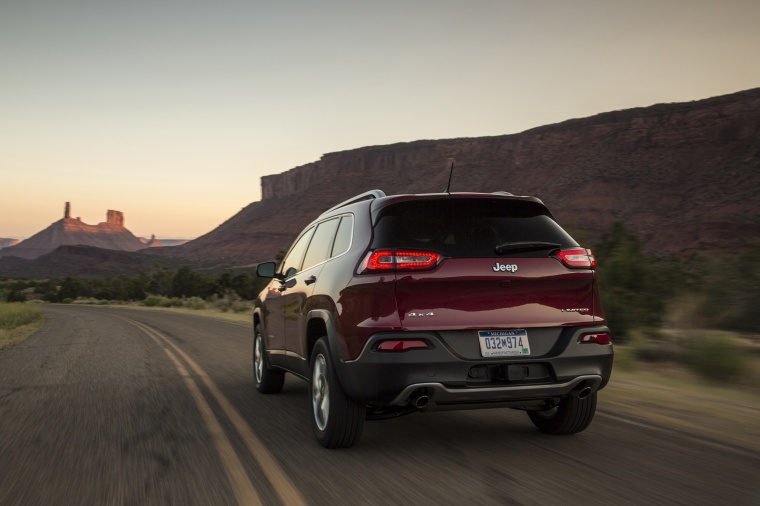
504, 267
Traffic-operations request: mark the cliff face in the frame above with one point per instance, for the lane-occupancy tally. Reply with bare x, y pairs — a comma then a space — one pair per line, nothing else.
69, 231
683, 177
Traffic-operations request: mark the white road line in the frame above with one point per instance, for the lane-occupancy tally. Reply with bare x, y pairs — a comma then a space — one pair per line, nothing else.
284, 487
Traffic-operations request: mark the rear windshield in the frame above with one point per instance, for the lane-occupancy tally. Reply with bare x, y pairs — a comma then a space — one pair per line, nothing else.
460, 227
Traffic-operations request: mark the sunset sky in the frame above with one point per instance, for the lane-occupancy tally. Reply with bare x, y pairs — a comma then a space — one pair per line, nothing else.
171, 111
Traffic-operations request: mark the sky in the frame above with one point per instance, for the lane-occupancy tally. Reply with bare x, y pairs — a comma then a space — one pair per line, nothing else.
171, 111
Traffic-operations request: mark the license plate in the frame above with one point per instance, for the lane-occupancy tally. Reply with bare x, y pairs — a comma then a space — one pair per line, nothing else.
504, 343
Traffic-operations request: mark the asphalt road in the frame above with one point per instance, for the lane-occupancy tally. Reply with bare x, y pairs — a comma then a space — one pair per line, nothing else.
114, 406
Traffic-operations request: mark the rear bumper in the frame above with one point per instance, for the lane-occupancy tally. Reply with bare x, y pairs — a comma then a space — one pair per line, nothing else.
446, 378
441, 397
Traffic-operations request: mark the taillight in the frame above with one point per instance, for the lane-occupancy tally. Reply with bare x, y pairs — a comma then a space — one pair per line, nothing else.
399, 260
402, 345
577, 258
596, 338
379, 260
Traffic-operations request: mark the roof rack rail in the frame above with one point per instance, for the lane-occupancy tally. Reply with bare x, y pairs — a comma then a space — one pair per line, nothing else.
502, 193
372, 194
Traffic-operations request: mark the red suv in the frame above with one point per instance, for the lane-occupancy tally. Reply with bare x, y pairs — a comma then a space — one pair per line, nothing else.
389, 305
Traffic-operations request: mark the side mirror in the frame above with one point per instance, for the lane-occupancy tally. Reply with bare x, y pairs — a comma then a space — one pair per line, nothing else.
266, 269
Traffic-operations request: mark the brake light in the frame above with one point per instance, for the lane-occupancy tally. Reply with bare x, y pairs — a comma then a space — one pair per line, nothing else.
379, 260
402, 345
577, 258
400, 260
600, 338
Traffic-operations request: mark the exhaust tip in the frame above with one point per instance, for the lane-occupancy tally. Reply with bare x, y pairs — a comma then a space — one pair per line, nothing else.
585, 392
419, 399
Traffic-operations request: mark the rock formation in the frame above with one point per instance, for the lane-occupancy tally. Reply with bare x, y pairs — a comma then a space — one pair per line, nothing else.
153, 242
72, 231
7, 242
115, 218
684, 177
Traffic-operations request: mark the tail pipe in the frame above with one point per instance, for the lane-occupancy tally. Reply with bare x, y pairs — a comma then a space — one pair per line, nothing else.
582, 391
419, 398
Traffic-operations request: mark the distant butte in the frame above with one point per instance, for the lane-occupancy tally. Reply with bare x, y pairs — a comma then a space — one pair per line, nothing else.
69, 231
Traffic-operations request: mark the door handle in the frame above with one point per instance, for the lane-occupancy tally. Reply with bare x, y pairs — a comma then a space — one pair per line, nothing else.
310, 280
288, 284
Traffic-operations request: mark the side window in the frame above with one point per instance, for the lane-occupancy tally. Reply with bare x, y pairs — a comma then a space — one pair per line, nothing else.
343, 238
292, 263
319, 249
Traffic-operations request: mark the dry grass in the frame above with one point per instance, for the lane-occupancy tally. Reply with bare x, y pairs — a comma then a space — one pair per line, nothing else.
17, 322
9, 338
672, 396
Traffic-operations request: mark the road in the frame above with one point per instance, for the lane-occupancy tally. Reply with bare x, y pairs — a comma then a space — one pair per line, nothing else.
117, 406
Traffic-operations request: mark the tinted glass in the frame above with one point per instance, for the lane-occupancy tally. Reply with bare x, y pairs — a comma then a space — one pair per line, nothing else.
343, 239
319, 248
292, 263
466, 227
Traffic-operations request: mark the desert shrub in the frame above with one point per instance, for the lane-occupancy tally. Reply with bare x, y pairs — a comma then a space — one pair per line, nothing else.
652, 345
731, 297
630, 296
195, 303
16, 314
229, 300
625, 358
170, 302
90, 301
240, 307
152, 300
715, 357
15, 296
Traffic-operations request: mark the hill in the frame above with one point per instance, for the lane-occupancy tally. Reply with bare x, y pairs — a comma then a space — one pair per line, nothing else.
81, 261
683, 177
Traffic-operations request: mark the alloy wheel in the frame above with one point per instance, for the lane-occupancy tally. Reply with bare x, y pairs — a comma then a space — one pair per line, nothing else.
320, 393
258, 359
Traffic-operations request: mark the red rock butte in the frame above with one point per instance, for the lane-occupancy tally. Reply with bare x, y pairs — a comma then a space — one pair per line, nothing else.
69, 231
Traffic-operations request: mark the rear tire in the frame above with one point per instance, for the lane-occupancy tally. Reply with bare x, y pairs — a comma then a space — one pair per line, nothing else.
336, 418
267, 379
571, 416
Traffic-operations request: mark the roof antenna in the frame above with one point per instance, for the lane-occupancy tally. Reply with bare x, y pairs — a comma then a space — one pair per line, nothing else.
450, 162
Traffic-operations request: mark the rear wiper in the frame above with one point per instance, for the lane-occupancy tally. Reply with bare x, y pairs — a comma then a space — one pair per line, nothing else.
512, 247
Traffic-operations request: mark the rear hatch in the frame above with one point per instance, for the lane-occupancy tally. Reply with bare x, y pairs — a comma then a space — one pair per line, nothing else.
492, 266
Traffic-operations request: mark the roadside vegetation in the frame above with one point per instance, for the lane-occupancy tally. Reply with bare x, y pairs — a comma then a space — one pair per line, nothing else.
695, 312
17, 322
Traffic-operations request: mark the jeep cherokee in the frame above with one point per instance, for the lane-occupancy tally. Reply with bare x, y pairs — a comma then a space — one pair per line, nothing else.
388, 305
